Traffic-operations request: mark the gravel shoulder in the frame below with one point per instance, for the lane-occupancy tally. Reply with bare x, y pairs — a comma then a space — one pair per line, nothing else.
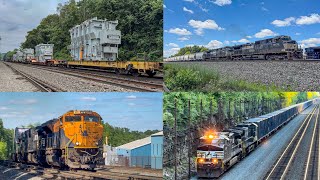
297, 76
256, 165
69, 83
12, 82
12, 173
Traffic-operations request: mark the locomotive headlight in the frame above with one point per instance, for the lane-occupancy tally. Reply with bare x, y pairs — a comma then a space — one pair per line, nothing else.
97, 143
77, 143
211, 136
215, 161
200, 160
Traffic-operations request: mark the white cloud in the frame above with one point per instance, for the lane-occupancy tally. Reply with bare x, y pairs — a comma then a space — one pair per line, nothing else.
189, 0
262, 3
264, 9
183, 38
173, 45
23, 101
283, 23
181, 32
20, 16
297, 34
265, 33
187, 10
164, 6
243, 41
306, 20
311, 42
226, 42
248, 37
222, 2
3, 108
88, 99
131, 97
169, 52
214, 44
201, 25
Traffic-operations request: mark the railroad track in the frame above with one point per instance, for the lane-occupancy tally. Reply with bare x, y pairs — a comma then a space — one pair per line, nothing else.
296, 60
42, 86
111, 80
101, 174
284, 162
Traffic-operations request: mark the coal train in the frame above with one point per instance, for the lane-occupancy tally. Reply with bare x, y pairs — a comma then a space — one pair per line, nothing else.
218, 151
276, 48
94, 44
74, 140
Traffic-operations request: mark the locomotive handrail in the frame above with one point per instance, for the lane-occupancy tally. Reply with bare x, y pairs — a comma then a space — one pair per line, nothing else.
67, 148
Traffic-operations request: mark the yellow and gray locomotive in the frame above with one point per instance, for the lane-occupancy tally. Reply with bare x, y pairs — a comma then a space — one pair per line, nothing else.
73, 140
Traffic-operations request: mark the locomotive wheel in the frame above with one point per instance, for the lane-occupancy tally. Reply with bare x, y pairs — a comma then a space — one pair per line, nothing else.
117, 71
135, 74
151, 74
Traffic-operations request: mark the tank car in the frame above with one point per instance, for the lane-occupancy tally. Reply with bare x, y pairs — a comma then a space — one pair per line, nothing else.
74, 140
218, 151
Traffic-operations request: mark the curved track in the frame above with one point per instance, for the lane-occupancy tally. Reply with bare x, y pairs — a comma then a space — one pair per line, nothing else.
42, 86
283, 165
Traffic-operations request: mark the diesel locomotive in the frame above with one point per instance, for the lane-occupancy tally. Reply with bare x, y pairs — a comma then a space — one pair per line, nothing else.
74, 140
276, 48
218, 151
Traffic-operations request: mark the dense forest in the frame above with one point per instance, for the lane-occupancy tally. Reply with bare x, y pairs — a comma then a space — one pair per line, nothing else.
190, 50
118, 136
210, 103
140, 23
6, 141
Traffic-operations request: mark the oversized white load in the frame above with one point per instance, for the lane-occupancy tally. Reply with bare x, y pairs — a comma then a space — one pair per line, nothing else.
44, 52
95, 40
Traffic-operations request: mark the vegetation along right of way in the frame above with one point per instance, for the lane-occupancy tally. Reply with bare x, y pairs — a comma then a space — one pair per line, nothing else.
140, 23
179, 77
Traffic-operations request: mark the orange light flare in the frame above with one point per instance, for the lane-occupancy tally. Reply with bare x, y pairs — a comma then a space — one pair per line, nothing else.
211, 134
215, 161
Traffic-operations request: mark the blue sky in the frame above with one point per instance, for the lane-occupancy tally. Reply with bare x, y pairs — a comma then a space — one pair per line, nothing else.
218, 23
136, 111
17, 17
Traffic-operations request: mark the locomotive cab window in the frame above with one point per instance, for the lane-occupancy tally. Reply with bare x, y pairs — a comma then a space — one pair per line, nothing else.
72, 118
91, 118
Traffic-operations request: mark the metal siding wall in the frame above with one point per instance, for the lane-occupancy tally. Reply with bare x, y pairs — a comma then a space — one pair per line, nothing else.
141, 156
156, 152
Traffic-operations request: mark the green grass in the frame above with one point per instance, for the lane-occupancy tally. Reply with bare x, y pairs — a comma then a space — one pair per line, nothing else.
182, 77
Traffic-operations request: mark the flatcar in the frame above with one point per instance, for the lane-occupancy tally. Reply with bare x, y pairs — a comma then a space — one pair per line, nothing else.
74, 140
219, 151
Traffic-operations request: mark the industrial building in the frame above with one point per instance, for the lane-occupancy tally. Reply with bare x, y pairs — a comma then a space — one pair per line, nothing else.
146, 153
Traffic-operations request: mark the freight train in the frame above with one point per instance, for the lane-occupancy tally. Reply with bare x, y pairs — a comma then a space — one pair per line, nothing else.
94, 44
276, 48
218, 151
74, 140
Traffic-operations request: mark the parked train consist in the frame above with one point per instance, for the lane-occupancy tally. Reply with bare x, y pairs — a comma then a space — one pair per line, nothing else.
94, 44
276, 48
218, 151
73, 140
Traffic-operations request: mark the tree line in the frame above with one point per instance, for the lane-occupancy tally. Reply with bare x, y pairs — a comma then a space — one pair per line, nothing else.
140, 23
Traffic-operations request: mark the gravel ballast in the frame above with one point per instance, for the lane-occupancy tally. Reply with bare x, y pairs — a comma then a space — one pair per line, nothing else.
296, 76
68, 83
12, 82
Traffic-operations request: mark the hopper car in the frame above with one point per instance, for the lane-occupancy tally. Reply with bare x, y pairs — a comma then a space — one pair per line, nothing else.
74, 140
219, 151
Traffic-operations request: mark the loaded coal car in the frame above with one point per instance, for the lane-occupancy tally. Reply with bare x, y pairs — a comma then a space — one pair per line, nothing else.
219, 151
73, 140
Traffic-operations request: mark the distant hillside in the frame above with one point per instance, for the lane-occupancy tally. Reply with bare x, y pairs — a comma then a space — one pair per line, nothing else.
191, 50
